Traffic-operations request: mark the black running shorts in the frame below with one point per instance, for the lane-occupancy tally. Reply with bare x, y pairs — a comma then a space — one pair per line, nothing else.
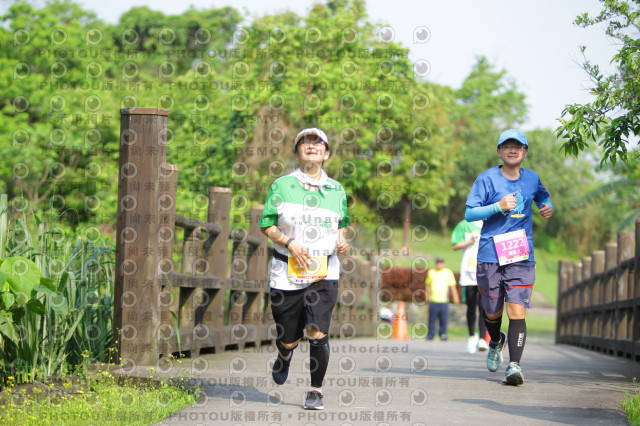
295, 310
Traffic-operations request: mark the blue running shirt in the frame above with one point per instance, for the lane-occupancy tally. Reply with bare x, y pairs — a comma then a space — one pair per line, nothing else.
490, 187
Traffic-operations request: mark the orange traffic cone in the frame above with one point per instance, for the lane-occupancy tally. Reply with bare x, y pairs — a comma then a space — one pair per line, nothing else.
400, 324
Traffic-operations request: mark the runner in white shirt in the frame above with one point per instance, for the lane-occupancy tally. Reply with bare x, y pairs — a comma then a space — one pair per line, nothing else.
305, 215
465, 237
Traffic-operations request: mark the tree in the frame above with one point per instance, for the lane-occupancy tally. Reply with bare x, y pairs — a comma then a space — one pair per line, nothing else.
612, 119
65, 74
487, 103
43, 67
332, 69
580, 222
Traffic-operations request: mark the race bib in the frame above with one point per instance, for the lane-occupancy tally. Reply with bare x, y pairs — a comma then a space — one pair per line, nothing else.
512, 247
316, 271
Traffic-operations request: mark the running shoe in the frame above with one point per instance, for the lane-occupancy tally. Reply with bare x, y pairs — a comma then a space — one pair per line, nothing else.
513, 376
482, 345
494, 356
472, 344
313, 401
280, 370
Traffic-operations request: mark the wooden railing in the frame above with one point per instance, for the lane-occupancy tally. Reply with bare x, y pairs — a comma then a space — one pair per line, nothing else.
599, 299
214, 299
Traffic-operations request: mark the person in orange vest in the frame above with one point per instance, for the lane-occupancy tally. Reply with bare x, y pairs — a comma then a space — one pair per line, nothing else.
439, 282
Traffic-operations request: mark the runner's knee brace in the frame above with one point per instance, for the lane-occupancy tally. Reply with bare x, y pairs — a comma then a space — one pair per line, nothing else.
492, 321
320, 342
283, 351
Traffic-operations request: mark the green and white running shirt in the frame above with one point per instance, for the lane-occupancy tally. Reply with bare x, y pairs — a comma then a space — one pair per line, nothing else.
310, 217
465, 231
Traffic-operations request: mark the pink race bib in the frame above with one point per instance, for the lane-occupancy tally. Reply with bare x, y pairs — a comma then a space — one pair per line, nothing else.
512, 247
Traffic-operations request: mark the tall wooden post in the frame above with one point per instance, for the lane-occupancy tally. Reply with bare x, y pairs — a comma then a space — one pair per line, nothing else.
166, 237
137, 313
586, 275
597, 268
256, 271
235, 332
562, 321
624, 291
218, 257
190, 296
587, 300
610, 262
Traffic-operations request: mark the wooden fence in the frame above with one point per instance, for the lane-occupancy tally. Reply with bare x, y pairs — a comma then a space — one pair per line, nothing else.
217, 296
599, 299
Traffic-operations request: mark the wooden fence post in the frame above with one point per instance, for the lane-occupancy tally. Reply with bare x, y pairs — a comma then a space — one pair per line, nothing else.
599, 300
234, 331
218, 257
608, 327
586, 275
610, 262
569, 287
137, 287
597, 268
256, 272
586, 299
625, 252
189, 296
576, 296
624, 292
166, 237
561, 310
577, 278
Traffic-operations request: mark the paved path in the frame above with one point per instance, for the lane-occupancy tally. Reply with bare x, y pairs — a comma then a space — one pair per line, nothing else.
386, 382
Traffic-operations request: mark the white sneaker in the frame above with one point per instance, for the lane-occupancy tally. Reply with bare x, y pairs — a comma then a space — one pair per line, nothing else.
482, 345
472, 344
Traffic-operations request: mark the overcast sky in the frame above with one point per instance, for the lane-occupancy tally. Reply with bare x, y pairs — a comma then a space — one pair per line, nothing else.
535, 41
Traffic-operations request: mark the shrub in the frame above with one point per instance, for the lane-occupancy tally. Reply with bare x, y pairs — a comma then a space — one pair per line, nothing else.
406, 284
56, 298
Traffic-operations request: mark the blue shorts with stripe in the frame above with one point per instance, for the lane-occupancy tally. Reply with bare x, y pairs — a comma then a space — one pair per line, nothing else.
511, 283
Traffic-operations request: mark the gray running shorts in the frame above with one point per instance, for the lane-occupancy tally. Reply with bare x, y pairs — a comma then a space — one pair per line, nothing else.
511, 283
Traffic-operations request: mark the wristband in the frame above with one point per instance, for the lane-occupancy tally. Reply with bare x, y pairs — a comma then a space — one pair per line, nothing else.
498, 207
286, 245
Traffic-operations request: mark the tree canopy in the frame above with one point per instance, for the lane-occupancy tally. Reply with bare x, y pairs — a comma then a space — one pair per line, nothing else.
238, 92
612, 119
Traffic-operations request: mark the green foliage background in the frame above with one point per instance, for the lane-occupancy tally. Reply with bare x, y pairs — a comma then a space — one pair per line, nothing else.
238, 91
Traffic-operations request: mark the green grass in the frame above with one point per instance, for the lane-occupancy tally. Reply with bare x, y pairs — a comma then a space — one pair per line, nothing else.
56, 318
93, 401
539, 329
631, 405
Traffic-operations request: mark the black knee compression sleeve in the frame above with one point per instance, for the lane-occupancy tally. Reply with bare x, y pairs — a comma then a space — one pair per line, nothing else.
283, 351
319, 355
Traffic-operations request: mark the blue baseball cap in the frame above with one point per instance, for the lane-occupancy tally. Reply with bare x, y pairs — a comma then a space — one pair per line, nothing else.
514, 134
